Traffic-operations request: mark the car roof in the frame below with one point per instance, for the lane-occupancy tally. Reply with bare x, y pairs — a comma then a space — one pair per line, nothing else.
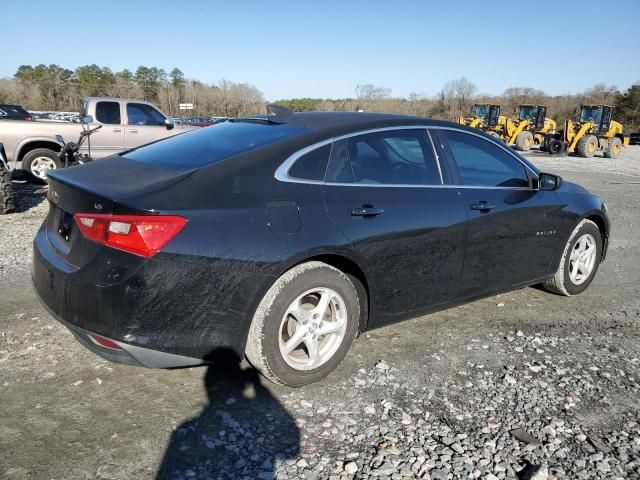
331, 124
336, 123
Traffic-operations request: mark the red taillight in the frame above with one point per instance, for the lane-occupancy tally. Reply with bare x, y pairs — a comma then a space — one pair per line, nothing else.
143, 235
28, 118
103, 342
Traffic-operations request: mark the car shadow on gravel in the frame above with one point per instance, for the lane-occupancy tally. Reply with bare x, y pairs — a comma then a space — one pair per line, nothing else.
27, 194
240, 433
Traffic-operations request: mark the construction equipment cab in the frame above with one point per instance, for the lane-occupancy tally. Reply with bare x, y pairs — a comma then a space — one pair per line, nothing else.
529, 129
595, 131
483, 115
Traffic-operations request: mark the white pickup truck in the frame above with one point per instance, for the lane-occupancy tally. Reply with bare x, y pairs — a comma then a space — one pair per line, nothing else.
126, 123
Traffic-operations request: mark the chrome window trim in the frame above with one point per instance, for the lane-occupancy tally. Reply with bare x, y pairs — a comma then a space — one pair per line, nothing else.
282, 172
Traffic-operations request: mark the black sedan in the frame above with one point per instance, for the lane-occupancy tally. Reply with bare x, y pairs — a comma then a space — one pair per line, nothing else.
14, 112
283, 237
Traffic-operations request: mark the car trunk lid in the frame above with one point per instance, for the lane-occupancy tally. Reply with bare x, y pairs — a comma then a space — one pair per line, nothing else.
99, 187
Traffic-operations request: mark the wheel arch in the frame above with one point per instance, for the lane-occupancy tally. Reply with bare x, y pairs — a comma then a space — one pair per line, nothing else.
32, 144
345, 261
353, 270
603, 225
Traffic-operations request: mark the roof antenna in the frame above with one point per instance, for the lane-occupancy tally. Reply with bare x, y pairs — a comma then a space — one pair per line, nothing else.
278, 110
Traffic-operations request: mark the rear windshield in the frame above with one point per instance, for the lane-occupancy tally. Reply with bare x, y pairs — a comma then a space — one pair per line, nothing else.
210, 145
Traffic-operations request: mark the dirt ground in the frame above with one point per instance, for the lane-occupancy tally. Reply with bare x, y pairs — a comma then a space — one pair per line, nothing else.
574, 362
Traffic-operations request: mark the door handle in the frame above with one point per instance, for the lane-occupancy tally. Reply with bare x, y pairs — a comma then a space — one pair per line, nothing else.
133, 130
366, 211
117, 130
482, 206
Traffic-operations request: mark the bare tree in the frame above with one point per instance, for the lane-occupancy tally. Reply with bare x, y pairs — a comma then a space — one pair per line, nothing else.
601, 94
369, 92
456, 97
516, 96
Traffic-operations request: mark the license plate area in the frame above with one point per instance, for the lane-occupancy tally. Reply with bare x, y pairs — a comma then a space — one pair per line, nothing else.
66, 225
59, 229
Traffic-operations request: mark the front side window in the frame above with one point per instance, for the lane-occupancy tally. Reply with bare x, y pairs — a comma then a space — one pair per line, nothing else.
312, 165
108, 112
528, 112
482, 163
591, 114
142, 114
393, 157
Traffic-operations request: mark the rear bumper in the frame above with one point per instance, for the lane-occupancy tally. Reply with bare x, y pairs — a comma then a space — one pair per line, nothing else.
161, 312
128, 354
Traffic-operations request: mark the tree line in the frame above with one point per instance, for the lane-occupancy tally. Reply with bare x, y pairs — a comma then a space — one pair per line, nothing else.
457, 97
55, 88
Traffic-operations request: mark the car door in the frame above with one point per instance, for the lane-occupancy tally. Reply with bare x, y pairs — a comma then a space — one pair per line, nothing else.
145, 124
514, 229
110, 138
384, 190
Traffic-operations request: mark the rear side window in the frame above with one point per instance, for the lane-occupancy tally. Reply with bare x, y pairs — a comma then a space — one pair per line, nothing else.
394, 157
207, 146
482, 163
311, 166
108, 112
142, 114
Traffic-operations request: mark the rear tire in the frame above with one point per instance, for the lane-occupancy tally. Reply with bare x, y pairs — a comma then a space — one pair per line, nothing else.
614, 148
556, 147
587, 146
524, 141
7, 199
576, 273
287, 320
36, 163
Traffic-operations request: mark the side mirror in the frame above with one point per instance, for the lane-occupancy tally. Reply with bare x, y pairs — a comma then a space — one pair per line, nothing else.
169, 123
60, 139
87, 119
549, 181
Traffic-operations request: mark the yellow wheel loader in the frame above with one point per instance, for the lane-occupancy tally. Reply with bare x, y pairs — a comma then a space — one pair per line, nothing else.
530, 129
484, 116
594, 132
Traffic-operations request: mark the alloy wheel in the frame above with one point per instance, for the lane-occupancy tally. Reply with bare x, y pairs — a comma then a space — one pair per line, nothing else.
312, 328
582, 259
40, 165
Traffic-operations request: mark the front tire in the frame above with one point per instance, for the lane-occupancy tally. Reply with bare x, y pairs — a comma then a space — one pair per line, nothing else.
614, 148
304, 325
580, 261
37, 162
524, 141
587, 146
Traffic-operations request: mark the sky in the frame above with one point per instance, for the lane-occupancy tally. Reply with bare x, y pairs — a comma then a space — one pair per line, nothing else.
326, 48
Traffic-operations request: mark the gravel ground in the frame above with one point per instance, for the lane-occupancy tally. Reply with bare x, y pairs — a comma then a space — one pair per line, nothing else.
18, 229
522, 385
